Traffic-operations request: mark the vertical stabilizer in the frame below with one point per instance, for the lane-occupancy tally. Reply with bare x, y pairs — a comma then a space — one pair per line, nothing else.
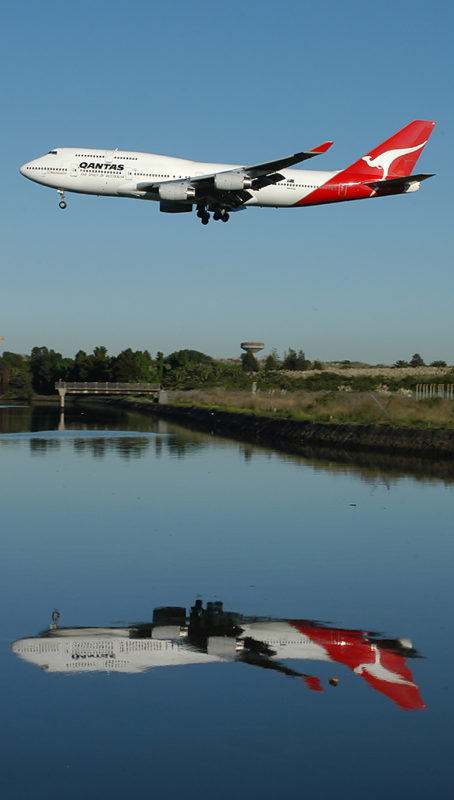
393, 158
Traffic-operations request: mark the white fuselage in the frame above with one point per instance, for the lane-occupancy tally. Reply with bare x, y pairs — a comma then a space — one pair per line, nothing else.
110, 649
122, 173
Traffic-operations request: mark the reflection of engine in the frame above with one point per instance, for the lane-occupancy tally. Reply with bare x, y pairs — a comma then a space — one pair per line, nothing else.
210, 634
168, 623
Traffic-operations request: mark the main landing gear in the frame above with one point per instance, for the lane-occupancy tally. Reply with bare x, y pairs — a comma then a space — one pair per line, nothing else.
221, 213
62, 203
203, 215
218, 213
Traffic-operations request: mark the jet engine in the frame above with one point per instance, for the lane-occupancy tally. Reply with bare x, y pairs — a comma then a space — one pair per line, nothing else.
232, 181
176, 190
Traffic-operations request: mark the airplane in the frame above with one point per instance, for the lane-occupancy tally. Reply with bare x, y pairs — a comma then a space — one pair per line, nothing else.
178, 184
211, 634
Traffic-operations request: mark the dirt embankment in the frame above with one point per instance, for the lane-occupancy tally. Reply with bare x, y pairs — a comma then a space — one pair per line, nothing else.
279, 432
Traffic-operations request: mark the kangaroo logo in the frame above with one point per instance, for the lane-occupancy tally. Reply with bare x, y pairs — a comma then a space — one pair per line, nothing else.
385, 160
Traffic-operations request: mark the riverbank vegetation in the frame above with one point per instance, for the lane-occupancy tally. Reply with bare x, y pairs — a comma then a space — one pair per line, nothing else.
354, 408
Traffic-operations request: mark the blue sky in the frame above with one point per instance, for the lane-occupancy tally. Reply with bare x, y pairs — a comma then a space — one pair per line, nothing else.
240, 82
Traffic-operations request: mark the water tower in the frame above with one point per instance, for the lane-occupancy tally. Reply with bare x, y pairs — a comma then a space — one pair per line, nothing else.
252, 347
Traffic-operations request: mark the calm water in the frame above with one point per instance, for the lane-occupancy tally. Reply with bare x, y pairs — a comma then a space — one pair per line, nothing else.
340, 580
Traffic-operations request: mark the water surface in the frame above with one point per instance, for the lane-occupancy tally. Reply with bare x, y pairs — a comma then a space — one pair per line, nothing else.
337, 577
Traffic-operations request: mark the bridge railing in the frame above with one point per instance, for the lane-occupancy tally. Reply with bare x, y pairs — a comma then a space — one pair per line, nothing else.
108, 387
84, 387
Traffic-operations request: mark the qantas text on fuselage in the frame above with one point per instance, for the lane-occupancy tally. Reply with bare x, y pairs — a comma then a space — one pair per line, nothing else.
179, 185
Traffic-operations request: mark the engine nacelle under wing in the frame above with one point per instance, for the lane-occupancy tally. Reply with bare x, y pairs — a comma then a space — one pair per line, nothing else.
176, 191
232, 181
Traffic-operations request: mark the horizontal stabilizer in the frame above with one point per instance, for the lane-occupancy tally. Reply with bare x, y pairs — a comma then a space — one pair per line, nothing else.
397, 182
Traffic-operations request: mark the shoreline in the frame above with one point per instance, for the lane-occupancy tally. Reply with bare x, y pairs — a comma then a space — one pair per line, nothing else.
280, 432
285, 433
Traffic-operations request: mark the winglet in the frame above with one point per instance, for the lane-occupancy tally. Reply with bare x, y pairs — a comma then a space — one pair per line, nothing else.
322, 148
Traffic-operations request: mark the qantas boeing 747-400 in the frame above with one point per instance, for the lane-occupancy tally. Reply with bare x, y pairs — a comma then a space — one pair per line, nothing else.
178, 184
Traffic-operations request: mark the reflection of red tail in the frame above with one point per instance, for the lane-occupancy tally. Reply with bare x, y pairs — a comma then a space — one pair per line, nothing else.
390, 675
383, 669
393, 158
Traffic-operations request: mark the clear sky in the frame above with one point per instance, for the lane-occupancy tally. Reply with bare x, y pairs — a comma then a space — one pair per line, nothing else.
234, 82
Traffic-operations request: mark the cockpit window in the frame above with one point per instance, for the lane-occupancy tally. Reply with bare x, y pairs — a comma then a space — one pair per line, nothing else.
52, 152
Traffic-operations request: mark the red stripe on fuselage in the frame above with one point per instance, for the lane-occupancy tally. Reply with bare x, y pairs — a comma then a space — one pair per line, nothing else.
335, 190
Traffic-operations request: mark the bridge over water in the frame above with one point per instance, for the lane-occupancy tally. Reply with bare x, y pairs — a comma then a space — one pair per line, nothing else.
108, 387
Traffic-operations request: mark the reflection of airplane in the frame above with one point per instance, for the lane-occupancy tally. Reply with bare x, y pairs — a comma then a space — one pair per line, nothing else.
211, 635
178, 184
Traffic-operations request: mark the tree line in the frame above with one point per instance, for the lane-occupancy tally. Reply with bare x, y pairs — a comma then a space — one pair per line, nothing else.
37, 373
26, 375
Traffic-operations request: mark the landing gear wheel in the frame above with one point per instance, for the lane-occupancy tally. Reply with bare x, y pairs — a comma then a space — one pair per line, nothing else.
225, 217
216, 215
62, 204
205, 220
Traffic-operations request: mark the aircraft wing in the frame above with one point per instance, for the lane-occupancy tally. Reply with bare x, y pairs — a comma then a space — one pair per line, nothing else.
265, 173
230, 187
267, 167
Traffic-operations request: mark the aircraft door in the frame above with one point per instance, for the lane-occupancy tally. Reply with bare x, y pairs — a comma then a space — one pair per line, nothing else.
74, 170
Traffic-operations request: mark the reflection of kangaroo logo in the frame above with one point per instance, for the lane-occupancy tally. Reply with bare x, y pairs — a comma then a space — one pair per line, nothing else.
381, 673
386, 159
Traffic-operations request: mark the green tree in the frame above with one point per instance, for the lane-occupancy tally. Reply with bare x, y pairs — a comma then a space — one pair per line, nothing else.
185, 358
100, 363
160, 365
82, 367
416, 361
15, 375
144, 362
295, 360
47, 367
250, 363
272, 361
125, 367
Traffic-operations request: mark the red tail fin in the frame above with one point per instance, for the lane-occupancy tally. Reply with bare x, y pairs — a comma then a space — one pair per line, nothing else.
393, 158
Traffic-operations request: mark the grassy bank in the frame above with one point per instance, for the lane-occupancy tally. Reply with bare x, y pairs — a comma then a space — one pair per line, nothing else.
349, 408
354, 408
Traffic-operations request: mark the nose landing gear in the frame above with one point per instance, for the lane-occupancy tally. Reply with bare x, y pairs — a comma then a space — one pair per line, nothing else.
62, 203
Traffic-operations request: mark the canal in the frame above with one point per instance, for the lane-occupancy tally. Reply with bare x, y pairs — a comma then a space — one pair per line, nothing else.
190, 616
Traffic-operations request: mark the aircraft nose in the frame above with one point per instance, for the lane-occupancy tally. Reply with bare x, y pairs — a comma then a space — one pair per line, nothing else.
24, 169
